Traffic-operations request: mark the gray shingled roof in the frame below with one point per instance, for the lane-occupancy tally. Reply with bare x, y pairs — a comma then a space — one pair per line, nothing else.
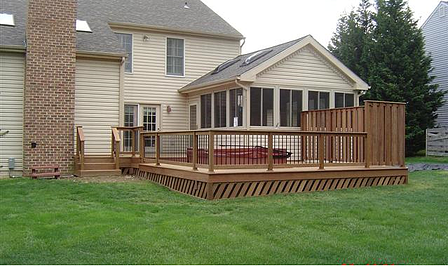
168, 14
237, 69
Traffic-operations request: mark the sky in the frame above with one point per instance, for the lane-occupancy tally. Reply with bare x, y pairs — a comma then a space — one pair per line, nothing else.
266, 23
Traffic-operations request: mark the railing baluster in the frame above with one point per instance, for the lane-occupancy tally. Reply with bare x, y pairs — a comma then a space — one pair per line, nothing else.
270, 152
320, 145
157, 140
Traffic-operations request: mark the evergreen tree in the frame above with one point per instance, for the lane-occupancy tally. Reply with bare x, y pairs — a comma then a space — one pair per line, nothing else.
392, 59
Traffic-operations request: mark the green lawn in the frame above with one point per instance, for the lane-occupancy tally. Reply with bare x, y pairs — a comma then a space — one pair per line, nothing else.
424, 159
66, 222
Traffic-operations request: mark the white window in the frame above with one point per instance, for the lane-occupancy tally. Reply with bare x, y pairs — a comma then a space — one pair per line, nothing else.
344, 100
175, 57
130, 120
290, 108
318, 100
261, 107
220, 109
126, 43
236, 107
206, 111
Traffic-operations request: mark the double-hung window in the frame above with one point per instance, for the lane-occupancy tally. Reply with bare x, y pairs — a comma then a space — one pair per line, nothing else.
290, 108
220, 109
175, 56
261, 107
206, 111
126, 43
344, 100
318, 100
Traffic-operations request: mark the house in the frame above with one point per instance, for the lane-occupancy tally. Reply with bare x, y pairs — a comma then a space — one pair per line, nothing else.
160, 89
436, 44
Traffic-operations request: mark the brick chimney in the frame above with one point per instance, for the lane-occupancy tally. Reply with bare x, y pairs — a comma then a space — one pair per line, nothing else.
49, 100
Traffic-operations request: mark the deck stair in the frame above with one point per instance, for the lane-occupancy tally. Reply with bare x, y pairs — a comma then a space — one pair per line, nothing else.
97, 165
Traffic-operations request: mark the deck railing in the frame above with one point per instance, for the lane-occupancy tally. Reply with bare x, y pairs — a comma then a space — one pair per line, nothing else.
80, 147
231, 149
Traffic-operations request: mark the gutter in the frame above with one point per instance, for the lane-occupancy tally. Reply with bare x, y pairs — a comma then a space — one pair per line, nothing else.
13, 48
116, 56
208, 85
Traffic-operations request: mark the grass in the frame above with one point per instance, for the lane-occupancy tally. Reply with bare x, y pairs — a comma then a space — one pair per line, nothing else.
429, 159
67, 222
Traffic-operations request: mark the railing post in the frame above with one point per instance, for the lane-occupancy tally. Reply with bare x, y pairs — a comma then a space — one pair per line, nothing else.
112, 146
142, 148
157, 149
195, 151
133, 142
270, 152
211, 151
117, 154
320, 146
82, 155
366, 152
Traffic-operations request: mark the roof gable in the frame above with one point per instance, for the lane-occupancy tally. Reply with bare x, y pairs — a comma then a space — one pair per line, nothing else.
280, 52
434, 12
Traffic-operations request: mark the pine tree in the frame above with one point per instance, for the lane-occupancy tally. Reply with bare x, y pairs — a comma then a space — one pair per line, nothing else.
399, 70
388, 52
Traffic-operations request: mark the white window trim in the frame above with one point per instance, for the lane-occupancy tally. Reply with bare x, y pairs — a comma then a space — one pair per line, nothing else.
166, 56
132, 55
279, 114
198, 117
318, 102
228, 124
151, 104
355, 98
276, 111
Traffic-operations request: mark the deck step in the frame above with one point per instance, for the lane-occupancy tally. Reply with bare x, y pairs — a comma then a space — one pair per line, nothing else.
99, 166
98, 159
84, 173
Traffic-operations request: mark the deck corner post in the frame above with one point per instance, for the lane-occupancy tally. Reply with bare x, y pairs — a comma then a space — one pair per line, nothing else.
157, 149
366, 153
211, 151
142, 148
117, 155
209, 191
195, 151
270, 152
320, 146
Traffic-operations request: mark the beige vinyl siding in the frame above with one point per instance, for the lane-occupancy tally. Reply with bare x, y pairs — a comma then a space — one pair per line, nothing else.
305, 68
97, 102
149, 84
12, 73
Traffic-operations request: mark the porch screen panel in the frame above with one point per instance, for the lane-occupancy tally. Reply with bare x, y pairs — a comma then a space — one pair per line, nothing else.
255, 106
206, 111
339, 100
313, 100
349, 100
236, 107
268, 107
290, 108
324, 100
220, 109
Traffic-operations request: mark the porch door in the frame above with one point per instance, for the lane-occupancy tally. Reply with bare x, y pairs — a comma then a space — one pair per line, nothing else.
130, 120
149, 118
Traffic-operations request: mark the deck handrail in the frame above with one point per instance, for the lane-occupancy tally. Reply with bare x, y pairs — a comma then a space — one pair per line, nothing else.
115, 148
80, 146
270, 149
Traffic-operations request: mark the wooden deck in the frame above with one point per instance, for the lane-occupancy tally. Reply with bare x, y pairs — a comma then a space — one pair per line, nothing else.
235, 183
334, 149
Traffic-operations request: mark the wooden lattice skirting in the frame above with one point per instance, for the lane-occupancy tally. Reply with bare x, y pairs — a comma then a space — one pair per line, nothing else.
224, 190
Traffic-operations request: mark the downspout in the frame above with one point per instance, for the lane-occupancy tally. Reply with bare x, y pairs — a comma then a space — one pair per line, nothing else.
121, 95
241, 46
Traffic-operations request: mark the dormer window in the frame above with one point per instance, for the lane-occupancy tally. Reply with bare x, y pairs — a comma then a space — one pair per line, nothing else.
7, 20
82, 26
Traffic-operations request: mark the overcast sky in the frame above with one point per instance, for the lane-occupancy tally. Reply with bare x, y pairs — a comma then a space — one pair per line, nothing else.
266, 23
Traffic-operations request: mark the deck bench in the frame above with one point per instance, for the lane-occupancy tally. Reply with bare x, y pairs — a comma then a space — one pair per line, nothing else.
53, 171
